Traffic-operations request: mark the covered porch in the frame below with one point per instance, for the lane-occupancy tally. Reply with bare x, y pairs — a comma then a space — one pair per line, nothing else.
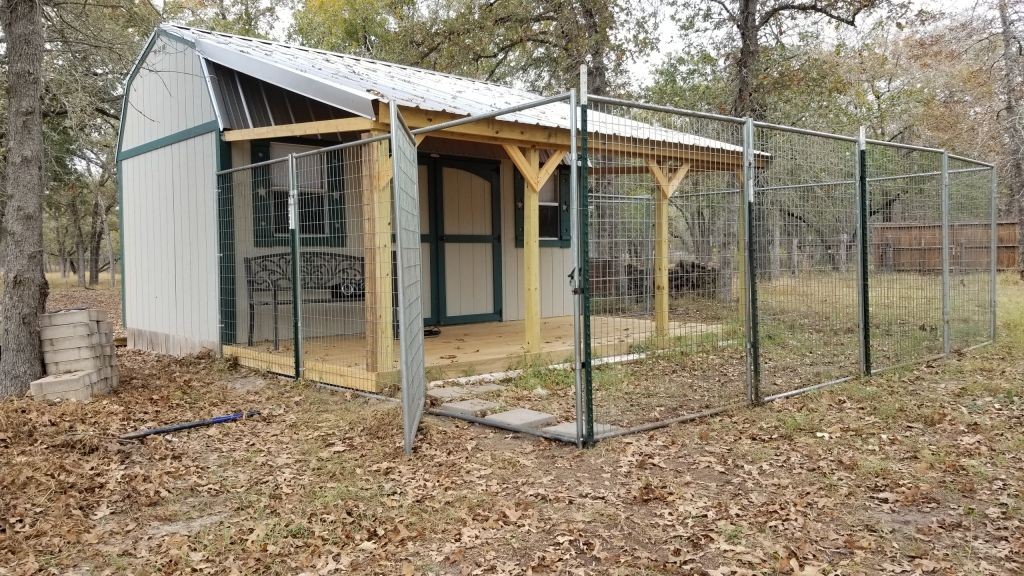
465, 350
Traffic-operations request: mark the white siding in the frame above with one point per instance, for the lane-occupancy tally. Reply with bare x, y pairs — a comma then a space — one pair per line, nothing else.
169, 94
170, 247
555, 263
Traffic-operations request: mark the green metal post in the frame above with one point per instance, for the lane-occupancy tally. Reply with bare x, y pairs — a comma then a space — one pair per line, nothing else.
749, 229
584, 269
293, 225
863, 207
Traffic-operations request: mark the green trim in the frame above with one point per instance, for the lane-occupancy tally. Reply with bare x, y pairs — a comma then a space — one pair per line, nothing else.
170, 139
564, 239
489, 171
226, 245
120, 222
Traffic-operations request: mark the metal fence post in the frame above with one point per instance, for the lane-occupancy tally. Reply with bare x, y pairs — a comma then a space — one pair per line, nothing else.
574, 202
293, 228
993, 277
863, 213
584, 269
946, 336
750, 278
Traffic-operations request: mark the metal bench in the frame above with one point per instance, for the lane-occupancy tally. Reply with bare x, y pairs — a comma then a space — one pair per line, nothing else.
331, 277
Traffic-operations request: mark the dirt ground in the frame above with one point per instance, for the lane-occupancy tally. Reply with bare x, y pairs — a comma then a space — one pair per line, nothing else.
914, 472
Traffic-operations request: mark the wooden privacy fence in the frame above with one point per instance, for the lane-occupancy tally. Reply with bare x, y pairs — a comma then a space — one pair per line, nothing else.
911, 247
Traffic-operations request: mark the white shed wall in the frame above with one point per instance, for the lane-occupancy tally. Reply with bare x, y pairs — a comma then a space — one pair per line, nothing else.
169, 94
169, 232
555, 263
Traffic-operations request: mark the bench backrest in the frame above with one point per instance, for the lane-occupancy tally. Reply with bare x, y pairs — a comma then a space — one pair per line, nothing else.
342, 274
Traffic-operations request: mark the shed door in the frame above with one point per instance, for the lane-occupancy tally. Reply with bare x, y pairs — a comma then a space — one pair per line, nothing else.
469, 242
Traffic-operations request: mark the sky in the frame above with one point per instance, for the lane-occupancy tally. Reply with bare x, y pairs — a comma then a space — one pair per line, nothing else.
670, 40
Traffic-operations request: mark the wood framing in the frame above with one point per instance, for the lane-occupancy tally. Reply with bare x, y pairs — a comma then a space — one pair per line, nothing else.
500, 132
357, 124
534, 176
375, 198
666, 187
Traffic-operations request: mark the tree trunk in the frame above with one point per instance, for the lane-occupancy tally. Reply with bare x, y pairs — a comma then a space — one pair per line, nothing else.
21, 236
110, 242
1014, 125
79, 266
746, 65
95, 239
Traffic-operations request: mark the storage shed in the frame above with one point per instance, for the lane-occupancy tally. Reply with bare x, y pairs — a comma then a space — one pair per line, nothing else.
217, 128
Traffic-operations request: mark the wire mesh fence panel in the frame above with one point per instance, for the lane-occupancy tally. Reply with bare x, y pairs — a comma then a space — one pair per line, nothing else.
666, 327
344, 207
255, 266
970, 252
406, 198
905, 253
805, 258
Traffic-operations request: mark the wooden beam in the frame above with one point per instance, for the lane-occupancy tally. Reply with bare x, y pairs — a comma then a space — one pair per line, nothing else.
557, 155
666, 188
527, 169
375, 200
499, 132
419, 139
531, 255
357, 124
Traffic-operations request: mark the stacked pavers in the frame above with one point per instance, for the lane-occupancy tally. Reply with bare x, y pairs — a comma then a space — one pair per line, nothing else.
78, 349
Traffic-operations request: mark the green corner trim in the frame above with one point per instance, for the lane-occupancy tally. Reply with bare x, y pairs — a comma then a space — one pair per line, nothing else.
170, 139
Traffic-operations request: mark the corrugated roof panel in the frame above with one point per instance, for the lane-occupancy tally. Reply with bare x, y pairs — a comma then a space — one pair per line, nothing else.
419, 88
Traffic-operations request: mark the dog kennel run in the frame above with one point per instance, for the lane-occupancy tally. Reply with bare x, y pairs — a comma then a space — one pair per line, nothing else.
608, 266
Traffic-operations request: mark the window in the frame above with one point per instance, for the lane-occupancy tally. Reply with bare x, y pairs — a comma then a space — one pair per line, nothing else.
320, 197
312, 212
554, 215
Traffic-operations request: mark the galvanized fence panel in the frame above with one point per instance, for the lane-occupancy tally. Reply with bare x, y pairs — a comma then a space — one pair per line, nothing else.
407, 234
256, 276
665, 263
970, 253
905, 245
348, 319
805, 258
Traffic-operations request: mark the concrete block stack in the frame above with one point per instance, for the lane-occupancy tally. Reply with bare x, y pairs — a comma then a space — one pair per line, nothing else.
78, 349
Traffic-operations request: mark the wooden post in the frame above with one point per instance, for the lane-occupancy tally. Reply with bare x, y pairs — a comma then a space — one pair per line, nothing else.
665, 189
531, 258
741, 248
376, 204
534, 178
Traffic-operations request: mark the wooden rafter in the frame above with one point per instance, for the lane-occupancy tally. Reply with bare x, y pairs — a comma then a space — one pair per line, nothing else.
667, 186
357, 124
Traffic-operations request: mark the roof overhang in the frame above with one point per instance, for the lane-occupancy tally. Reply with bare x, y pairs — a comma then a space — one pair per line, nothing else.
332, 94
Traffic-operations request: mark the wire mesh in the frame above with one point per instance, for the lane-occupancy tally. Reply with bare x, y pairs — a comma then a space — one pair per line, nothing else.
664, 257
349, 322
256, 285
805, 216
970, 252
905, 253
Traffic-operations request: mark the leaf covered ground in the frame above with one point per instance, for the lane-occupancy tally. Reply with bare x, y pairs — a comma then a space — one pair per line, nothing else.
914, 472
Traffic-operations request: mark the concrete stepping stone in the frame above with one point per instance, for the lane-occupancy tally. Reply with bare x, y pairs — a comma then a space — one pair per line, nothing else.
471, 407
522, 418
567, 430
447, 392
484, 388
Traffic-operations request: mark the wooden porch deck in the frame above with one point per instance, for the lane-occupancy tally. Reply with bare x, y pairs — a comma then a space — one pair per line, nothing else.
465, 350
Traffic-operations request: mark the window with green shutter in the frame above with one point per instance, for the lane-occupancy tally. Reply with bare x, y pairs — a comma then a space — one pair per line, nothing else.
554, 205
320, 197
